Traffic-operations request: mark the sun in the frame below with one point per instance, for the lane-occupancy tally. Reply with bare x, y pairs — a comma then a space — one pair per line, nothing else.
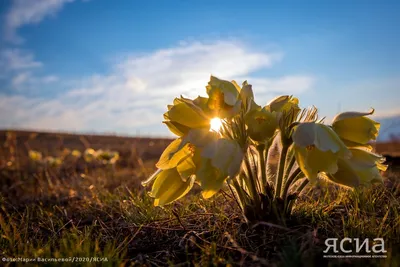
215, 124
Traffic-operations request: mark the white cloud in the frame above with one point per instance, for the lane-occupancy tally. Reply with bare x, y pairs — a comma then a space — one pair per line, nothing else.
135, 93
27, 80
37, 113
20, 79
49, 79
295, 84
23, 12
17, 59
22, 66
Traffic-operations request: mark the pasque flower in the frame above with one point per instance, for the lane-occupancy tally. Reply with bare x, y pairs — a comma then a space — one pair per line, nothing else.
186, 114
174, 178
35, 155
107, 156
317, 149
284, 104
286, 109
363, 168
247, 95
261, 124
226, 155
224, 97
236, 153
355, 128
168, 186
206, 156
52, 161
222, 93
89, 154
76, 153
180, 156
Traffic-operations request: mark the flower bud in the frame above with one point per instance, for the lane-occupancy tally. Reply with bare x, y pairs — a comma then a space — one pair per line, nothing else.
355, 127
261, 124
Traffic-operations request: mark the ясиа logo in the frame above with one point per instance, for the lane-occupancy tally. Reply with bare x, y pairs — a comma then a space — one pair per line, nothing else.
354, 248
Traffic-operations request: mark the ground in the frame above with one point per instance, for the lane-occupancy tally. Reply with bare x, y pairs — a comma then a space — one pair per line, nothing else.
86, 210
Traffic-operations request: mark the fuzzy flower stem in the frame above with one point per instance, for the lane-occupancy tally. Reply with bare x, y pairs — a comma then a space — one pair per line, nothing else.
237, 196
292, 160
252, 185
261, 164
281, 168
289, 205
292, 178
243, 197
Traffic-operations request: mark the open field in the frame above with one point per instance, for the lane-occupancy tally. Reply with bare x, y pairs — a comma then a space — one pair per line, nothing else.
85, 210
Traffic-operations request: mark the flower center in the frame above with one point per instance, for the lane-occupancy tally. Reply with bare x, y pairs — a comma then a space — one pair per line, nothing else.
310, 147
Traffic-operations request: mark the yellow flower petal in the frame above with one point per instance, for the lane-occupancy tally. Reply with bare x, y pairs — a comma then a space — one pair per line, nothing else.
351, 144
186, 168
210, 178
247, 95
363, 164
169, 186
355, 127
322, 136
283, 103
364, 158
313, 161
200, 137
351, 115
369, 176
174, 154
177, 128
345, 175
222, 91
226, 155
317, 149
322, 160
367, 165
188, 115
261, 124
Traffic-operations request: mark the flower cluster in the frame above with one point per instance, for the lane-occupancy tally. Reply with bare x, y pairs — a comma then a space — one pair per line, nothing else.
103, 156
37, 157
106, 157
340, 152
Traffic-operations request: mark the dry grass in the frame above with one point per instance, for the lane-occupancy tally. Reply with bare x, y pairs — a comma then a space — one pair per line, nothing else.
78, 211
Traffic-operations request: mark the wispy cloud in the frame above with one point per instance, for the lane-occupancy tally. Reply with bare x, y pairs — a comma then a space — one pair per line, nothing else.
20, 79
37, 113
23, 69
293, 84
17, 59
134, 94
23, 12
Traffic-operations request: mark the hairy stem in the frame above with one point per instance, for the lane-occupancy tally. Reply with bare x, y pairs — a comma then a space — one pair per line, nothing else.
251, 181
281, 168
289, 205
289, 181
261, 164
296, 175
237, 193
292, 160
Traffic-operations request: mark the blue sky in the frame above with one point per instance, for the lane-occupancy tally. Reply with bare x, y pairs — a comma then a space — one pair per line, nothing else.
113, 66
